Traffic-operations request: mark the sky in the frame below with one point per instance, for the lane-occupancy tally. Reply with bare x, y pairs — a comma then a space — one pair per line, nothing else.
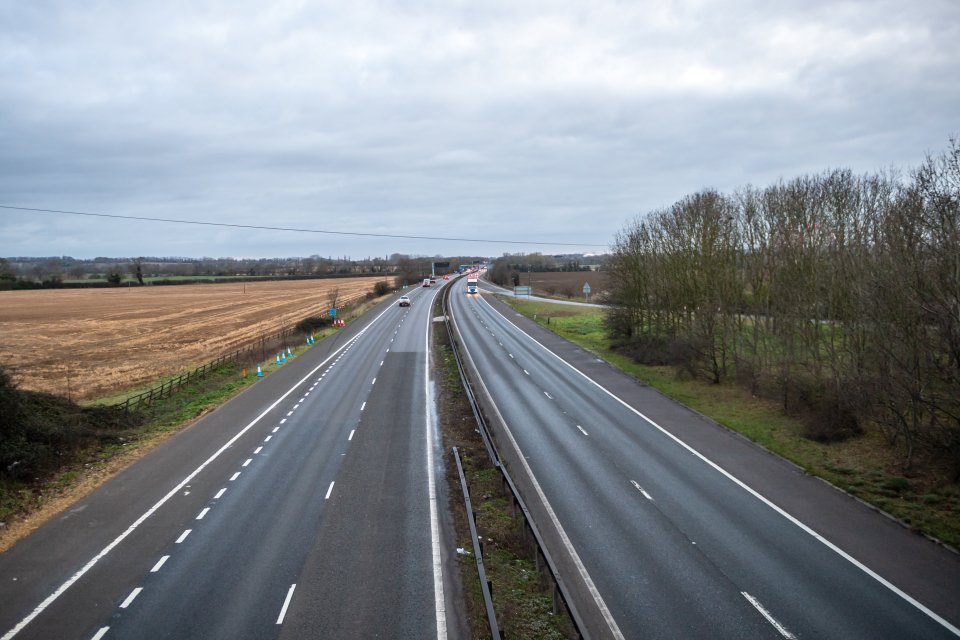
550, 124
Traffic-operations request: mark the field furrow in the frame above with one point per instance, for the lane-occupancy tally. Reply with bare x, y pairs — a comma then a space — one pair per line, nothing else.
99, 341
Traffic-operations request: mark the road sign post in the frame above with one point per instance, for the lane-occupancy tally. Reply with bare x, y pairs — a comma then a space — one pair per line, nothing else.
586, 290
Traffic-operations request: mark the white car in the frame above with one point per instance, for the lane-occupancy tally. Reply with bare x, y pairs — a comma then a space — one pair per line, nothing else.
404, 301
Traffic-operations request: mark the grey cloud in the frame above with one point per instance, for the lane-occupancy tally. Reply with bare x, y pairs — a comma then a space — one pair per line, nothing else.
537, 120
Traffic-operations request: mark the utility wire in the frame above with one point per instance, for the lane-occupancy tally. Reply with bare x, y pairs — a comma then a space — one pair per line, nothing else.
339, 233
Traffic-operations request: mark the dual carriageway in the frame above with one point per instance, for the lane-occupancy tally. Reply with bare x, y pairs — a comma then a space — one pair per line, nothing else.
315, 505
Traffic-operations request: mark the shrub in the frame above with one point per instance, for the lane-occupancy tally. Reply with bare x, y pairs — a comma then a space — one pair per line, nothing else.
647, 349
313, 323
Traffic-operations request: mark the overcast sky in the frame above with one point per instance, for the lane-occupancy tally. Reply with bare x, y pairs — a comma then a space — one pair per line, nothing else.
543, 121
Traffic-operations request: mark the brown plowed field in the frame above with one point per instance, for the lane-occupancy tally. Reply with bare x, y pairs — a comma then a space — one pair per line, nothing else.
561, 284
108, 340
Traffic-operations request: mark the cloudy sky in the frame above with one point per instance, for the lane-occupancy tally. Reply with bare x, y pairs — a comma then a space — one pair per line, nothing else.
545, 121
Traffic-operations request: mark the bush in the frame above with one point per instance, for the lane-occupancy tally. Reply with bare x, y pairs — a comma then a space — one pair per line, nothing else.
40, 432
649, 350
829, 415
308, 325
382, 288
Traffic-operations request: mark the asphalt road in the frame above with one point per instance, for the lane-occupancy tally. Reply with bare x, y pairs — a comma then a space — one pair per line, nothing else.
312, 505
668, 526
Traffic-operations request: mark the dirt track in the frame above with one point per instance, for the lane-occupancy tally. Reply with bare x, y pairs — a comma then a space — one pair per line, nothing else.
105, 340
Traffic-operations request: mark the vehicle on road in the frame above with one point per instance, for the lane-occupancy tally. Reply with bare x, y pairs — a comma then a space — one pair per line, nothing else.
426, 282
471, 285
404, 301
446, 277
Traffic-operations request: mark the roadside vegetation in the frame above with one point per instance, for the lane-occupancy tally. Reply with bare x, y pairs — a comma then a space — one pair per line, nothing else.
836, 295
522, 597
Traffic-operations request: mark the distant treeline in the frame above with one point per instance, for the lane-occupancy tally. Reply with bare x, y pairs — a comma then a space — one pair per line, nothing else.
65, 271
16, 284
504, 267
838, 294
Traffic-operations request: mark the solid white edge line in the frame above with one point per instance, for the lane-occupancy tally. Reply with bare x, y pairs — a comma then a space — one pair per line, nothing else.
439, 603
286, 603
130, 598
782, 630
843, 554
183, 536
107, 549
159, 564
99, 634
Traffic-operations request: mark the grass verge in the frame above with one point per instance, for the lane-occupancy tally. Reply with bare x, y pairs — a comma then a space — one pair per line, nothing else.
866, 467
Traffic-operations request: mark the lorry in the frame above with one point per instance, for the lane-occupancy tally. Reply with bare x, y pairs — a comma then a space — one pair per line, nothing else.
471, 285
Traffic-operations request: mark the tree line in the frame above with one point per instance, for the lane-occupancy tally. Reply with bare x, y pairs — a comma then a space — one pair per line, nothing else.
54, 272
838, 294
505, 270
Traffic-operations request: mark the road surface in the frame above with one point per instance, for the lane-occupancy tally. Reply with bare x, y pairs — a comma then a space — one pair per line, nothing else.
669, 526
312, 505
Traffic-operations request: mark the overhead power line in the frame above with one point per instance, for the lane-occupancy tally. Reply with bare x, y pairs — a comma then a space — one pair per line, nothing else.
298, 230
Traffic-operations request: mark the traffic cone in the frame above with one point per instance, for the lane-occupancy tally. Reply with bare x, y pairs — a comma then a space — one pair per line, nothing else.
283, 358
278, 358
259, 372
289, 353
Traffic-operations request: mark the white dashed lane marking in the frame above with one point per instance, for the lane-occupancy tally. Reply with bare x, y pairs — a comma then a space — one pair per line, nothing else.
131, 597
640, 489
